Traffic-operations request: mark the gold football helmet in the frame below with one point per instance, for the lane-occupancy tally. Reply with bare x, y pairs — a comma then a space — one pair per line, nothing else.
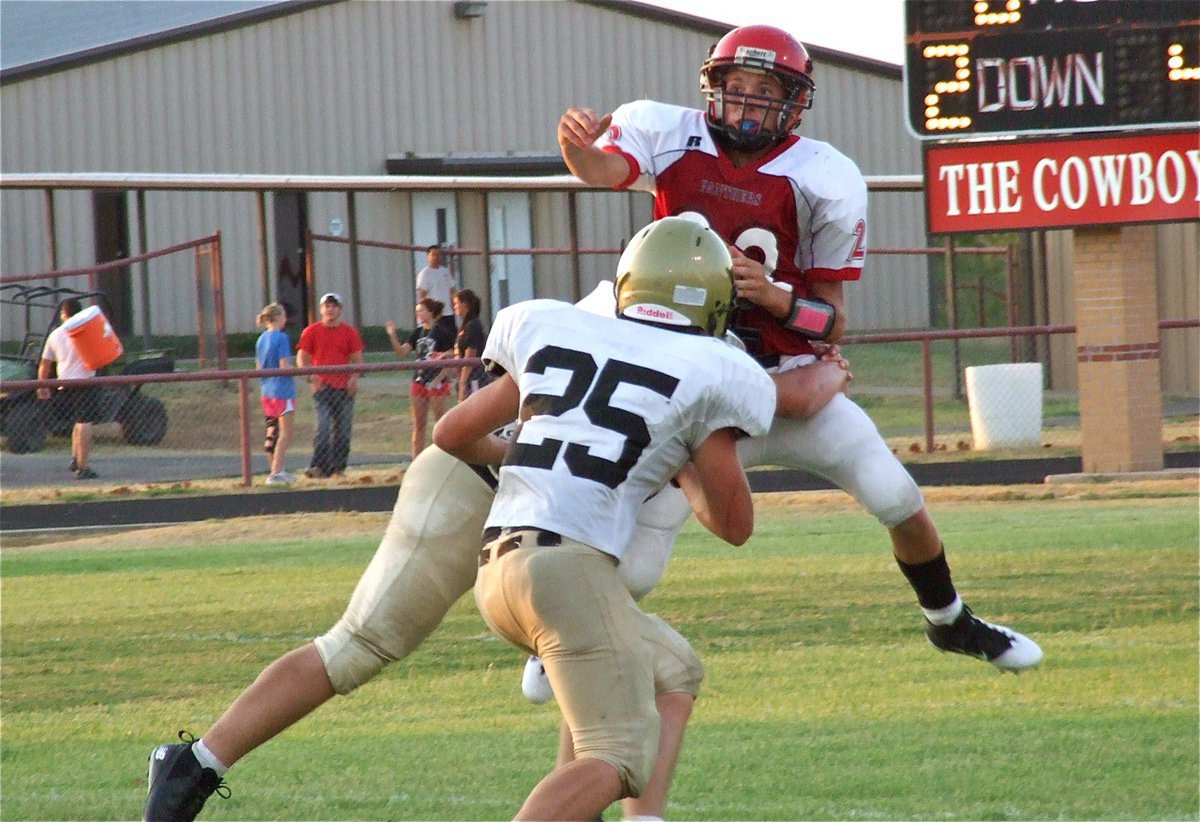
676, 273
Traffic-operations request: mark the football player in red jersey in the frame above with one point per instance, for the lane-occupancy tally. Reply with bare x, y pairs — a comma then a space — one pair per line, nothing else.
793, 209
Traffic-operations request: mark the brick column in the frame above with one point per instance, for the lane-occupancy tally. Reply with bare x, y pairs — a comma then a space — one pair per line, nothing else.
1116, 302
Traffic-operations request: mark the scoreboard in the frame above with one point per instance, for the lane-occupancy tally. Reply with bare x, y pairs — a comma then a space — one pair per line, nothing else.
1009, 67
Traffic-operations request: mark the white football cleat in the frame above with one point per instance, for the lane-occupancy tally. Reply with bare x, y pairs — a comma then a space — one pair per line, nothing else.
997, 644
534, 683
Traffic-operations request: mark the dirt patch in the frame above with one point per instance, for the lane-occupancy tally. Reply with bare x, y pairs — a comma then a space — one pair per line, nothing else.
246, 529
99, 492
947, 494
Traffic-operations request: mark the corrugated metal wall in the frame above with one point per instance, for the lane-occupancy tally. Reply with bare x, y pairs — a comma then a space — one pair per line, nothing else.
336, 89
1178, 257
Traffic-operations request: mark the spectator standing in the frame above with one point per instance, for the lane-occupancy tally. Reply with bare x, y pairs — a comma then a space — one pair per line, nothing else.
469, 342
83, 402
274, 350
429, 387
329, 341
436, 282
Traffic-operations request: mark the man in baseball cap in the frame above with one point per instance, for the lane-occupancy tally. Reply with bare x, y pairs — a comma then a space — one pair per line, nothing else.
330, 341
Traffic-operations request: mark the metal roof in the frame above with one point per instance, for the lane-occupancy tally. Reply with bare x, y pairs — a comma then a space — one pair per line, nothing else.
42, 35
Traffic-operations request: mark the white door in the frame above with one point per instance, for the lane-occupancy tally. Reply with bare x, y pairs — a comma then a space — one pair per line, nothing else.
508, 227
435, 222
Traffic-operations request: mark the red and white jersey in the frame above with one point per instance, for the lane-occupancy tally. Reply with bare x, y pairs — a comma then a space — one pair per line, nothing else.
611, 409
801, 209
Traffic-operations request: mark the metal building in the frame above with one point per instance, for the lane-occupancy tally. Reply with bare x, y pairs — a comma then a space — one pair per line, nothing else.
345, 87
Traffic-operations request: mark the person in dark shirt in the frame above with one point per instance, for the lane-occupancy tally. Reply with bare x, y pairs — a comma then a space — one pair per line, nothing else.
469, 342
430, 386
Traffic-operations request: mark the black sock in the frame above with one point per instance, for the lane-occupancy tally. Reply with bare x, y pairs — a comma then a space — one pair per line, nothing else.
931, 581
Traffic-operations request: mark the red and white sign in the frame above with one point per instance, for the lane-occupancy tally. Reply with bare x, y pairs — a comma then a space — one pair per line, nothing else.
1002, 186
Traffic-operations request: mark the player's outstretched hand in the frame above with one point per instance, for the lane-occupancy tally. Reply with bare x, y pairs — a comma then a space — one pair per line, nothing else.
580, 127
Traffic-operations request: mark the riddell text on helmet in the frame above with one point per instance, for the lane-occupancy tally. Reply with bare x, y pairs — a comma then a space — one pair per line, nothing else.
653, 312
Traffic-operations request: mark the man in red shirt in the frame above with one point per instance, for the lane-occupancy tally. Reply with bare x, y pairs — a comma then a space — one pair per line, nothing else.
331, 342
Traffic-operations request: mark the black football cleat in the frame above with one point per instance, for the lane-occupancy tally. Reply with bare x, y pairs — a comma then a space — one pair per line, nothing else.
970, 635
179, 784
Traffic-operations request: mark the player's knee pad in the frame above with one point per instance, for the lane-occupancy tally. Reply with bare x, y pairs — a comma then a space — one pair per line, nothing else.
885, 488
632, 756
349, 661
905, 501
425, 561
677, 667
272, 435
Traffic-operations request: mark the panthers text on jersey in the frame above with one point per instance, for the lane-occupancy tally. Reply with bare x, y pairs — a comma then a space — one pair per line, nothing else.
801, 209
610, 411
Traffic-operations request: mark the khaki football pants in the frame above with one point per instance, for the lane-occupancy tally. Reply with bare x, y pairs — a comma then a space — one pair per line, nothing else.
428, 558
567, 604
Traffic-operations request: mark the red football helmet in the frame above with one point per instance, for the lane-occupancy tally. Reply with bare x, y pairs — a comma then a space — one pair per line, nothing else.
764, 49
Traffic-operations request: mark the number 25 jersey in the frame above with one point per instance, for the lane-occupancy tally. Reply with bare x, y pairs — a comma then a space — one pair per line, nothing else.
611, 409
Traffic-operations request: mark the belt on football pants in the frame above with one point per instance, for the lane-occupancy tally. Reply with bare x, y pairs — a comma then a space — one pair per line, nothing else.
518, 537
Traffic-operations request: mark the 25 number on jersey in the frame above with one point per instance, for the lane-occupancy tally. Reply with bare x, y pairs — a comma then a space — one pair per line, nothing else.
593, 388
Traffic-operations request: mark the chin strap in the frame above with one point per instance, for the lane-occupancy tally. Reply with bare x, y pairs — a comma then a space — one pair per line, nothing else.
812, 318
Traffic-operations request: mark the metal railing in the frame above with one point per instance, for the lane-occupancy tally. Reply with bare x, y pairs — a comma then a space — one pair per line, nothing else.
245, 393
205, 249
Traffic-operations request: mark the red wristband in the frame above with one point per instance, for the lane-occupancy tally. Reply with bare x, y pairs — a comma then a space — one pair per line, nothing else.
812, 318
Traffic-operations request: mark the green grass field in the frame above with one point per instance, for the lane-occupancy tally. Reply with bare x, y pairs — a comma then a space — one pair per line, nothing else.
822, 700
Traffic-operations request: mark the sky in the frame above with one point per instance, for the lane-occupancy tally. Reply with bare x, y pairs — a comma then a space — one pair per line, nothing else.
870, 28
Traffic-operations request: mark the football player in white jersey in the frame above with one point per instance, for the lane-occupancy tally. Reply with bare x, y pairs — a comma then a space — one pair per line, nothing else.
426, 559
794, 211
610, 410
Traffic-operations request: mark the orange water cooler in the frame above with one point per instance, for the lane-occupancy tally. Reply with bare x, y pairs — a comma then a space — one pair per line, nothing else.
93, 338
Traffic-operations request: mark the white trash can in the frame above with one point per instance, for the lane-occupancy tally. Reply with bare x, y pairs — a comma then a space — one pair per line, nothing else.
1005, 402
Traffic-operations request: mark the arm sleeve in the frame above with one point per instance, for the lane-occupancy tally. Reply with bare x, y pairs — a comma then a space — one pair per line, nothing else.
498, 352
306, 341
49, 350
475, 336
280, 348
838, 241
744, 398
630, 136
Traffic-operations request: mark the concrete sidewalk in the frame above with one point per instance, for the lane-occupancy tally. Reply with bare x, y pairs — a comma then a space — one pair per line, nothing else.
154, 466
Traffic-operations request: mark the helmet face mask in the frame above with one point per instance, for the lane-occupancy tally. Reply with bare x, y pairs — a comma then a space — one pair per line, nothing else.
676, 273
764, 50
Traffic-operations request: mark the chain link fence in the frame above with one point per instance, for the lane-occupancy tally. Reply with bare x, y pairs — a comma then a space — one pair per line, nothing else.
195, 426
